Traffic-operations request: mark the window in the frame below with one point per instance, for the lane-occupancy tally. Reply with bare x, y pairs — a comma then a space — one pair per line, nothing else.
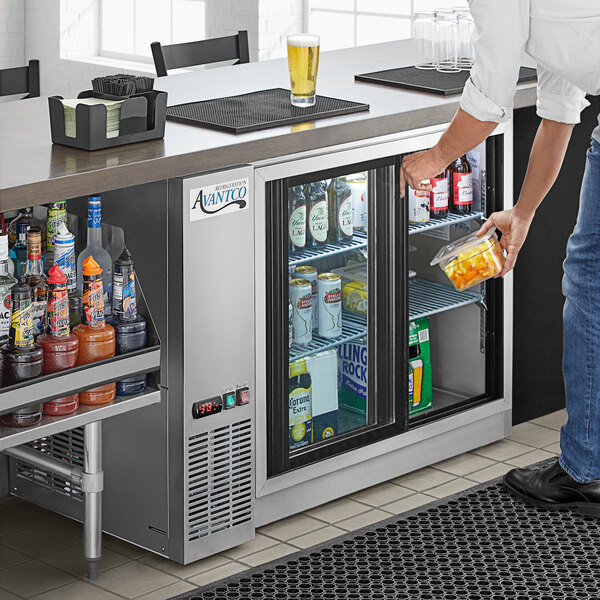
346, 23
128, 27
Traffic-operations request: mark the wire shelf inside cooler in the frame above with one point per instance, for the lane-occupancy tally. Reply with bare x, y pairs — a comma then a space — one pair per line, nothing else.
427, 298
353, 327
451, 219
359, 240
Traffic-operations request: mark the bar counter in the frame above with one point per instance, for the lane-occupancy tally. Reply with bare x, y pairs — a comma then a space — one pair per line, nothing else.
33, 171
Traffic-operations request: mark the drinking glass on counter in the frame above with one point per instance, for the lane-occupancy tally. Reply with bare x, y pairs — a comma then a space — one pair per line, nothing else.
446, 42
466, 26
303, 62
424, 38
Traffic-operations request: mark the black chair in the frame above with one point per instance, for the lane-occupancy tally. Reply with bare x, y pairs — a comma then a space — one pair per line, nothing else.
21, 80
177, 56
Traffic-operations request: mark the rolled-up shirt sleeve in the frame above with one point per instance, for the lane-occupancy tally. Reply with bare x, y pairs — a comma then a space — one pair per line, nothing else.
557, 99
501, 32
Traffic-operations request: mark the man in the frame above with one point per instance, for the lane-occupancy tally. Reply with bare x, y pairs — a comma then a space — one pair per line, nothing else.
564, 39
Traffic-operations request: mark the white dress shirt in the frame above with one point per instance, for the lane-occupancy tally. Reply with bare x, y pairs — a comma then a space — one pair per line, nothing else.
562, 36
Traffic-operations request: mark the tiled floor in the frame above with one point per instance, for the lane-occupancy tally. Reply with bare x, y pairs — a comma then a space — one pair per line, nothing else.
41, 554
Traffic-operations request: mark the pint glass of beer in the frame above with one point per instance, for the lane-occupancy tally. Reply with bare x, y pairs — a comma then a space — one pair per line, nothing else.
303, 61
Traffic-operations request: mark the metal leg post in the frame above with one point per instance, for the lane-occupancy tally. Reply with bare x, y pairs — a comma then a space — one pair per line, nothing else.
92, 480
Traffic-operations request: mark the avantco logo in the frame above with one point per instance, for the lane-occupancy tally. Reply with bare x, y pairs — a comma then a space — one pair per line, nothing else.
222, 198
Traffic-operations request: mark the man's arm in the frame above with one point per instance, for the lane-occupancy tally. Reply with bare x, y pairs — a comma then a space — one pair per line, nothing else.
545, 160
464, 133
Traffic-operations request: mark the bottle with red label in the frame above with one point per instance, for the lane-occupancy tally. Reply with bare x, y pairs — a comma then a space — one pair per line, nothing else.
60, 346
438, 197
296, 220
96, 338
461, 186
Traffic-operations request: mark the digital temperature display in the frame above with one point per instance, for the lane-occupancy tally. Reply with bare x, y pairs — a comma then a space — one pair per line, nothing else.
207, 407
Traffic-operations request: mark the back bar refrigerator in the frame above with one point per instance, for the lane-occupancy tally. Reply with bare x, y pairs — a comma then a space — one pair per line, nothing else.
369, 364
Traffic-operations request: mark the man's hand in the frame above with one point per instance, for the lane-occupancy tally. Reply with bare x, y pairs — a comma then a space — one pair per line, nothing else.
514, 228
420, 167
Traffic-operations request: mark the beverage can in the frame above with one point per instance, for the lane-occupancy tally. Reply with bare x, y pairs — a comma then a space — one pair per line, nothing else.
64, 256
57, 214
310, 274
358, 186
301, 299
330, 305
418, 206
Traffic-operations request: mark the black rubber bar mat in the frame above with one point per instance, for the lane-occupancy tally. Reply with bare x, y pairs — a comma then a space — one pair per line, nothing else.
421, 80
258, 110
480, 544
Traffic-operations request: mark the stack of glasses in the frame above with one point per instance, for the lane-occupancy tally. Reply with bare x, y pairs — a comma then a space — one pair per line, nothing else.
442, 39
113, 115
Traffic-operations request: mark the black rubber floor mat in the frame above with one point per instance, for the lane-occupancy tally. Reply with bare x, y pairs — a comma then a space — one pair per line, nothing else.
258, 110
431, 81
480, 544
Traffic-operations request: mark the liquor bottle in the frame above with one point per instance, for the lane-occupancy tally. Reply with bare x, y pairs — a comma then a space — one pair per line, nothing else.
130, 328
461, 186
34, 277
438, 197
297, 220
22, 358
318, 218
19, 250
60, 346
6, 283
57, 214
340, 210
94, 246
64, 257
96, 337
25, 216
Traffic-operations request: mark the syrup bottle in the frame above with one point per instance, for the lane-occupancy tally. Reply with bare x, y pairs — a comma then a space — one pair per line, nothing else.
96, 338
64, 257
130, 328
22, 358
36, 280
6, 283
60, 346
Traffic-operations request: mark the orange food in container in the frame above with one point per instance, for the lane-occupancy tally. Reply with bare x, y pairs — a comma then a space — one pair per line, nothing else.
471, 259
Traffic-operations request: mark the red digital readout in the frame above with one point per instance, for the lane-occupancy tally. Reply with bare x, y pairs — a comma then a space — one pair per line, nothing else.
206, 408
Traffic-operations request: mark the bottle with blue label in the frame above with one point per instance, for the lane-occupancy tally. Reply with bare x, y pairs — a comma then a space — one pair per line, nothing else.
130, 328
94, 247
19, 250
64, 258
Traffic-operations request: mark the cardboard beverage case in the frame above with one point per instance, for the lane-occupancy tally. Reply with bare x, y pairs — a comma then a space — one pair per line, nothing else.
352, 376
352, 371
313, 406
420, 358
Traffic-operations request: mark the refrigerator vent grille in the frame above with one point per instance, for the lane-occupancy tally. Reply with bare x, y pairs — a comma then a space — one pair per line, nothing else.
66, 446
219, 479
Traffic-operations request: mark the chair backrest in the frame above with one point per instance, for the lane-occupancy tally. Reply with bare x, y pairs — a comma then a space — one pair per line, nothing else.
177, 56
21, 80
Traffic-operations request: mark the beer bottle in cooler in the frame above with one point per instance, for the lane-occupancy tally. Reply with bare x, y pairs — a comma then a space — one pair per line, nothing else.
461, 186
318, 219
340, 210
438, 207
297, 220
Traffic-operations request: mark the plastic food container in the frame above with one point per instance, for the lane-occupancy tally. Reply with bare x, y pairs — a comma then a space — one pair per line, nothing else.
471, 259
354, 288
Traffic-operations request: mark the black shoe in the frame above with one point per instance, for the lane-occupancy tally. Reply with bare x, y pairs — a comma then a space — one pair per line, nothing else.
552, 487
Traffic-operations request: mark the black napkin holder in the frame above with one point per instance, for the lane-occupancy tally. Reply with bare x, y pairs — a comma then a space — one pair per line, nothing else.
142, 119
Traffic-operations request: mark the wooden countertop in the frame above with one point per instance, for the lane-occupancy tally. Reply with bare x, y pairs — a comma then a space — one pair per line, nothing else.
34, 171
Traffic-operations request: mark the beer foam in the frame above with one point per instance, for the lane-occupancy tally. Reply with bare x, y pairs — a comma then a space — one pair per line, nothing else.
303, 40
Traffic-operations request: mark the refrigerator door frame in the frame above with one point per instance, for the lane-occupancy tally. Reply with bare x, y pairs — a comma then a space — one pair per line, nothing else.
329, 158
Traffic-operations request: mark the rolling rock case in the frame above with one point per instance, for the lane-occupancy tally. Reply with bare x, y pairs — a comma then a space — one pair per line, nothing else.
352, 372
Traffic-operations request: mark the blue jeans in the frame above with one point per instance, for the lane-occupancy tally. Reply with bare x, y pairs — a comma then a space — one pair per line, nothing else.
580, 437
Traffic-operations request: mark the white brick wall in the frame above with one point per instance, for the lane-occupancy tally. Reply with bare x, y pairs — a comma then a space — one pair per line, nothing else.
12, 33
63, 35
